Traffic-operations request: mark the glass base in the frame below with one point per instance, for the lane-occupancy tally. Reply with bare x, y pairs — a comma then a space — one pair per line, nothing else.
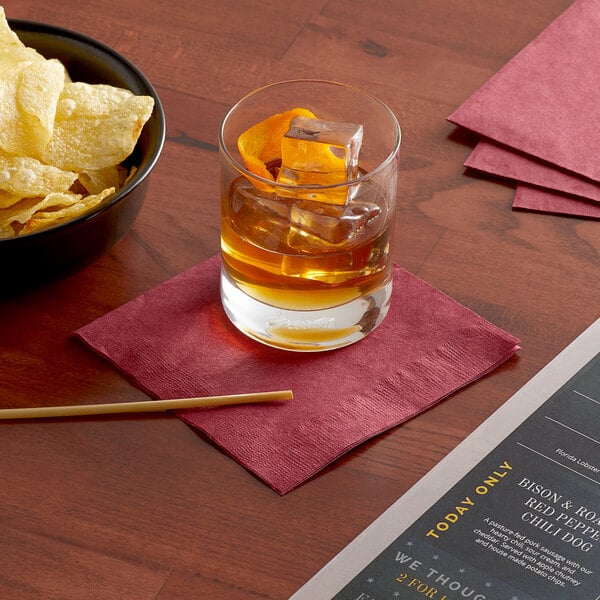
304, 330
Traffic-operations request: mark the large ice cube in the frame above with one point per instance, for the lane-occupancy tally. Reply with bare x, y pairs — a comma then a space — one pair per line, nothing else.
318, 152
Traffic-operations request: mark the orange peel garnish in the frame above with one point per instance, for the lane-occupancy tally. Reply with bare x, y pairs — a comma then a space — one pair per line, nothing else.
261, 144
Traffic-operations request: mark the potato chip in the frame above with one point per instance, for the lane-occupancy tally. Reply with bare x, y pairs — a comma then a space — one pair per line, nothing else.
24, 77
12, 50
7, 199
96, 181
96, 126
7, 231
37, 97
34, 224
82, 205
261, 144
12, 134
24, 209
49, 218
28, 177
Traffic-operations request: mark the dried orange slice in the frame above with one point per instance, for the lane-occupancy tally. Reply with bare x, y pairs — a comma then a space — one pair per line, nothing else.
261, 144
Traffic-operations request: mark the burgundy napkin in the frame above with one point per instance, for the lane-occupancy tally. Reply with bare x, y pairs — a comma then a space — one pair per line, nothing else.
536, 117
563, 192
175, 341
545, 102
496, 159
537, 199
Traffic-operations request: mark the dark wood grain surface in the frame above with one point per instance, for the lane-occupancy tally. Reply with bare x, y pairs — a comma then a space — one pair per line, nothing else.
144, 508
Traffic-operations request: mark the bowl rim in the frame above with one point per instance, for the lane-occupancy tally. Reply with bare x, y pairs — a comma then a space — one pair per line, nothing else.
25, 25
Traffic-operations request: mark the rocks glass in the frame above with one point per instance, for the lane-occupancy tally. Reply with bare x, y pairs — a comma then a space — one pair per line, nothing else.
307, 258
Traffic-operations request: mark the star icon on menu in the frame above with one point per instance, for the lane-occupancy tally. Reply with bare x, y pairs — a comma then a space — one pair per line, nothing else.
370, 580
409, 543
435, 557
488, 584
396, 594
514, 598
461, 570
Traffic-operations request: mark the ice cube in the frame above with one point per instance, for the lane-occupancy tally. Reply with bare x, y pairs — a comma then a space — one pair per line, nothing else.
320, 226
363, 214
319, 152
259, 217
316, 225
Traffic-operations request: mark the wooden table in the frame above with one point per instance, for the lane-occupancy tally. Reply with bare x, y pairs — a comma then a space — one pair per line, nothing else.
143, 508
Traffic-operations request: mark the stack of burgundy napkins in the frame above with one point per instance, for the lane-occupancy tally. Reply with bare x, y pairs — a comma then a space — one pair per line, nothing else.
539, 117
175, 341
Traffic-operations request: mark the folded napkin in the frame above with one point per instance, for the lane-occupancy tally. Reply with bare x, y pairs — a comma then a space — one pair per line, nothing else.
175, 341
496, 159
537, 199
562, 192
541, 106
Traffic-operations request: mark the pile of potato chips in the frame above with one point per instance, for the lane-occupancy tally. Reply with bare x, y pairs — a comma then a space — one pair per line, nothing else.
61, 142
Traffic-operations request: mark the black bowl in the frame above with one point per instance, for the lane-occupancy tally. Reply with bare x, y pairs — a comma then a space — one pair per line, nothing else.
47, 254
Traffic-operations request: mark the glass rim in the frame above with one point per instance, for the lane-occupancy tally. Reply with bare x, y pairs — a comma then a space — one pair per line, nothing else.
241, 168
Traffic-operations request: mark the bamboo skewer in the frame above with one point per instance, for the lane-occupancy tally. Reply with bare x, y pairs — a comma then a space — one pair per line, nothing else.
143, 406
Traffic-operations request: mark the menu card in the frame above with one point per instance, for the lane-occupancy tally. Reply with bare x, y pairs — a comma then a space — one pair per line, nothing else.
513, 513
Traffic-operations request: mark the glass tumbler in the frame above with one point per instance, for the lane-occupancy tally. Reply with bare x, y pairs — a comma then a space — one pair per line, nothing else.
309, 267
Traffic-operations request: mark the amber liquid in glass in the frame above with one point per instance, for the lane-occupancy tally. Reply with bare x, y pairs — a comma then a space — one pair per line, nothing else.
305, 255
